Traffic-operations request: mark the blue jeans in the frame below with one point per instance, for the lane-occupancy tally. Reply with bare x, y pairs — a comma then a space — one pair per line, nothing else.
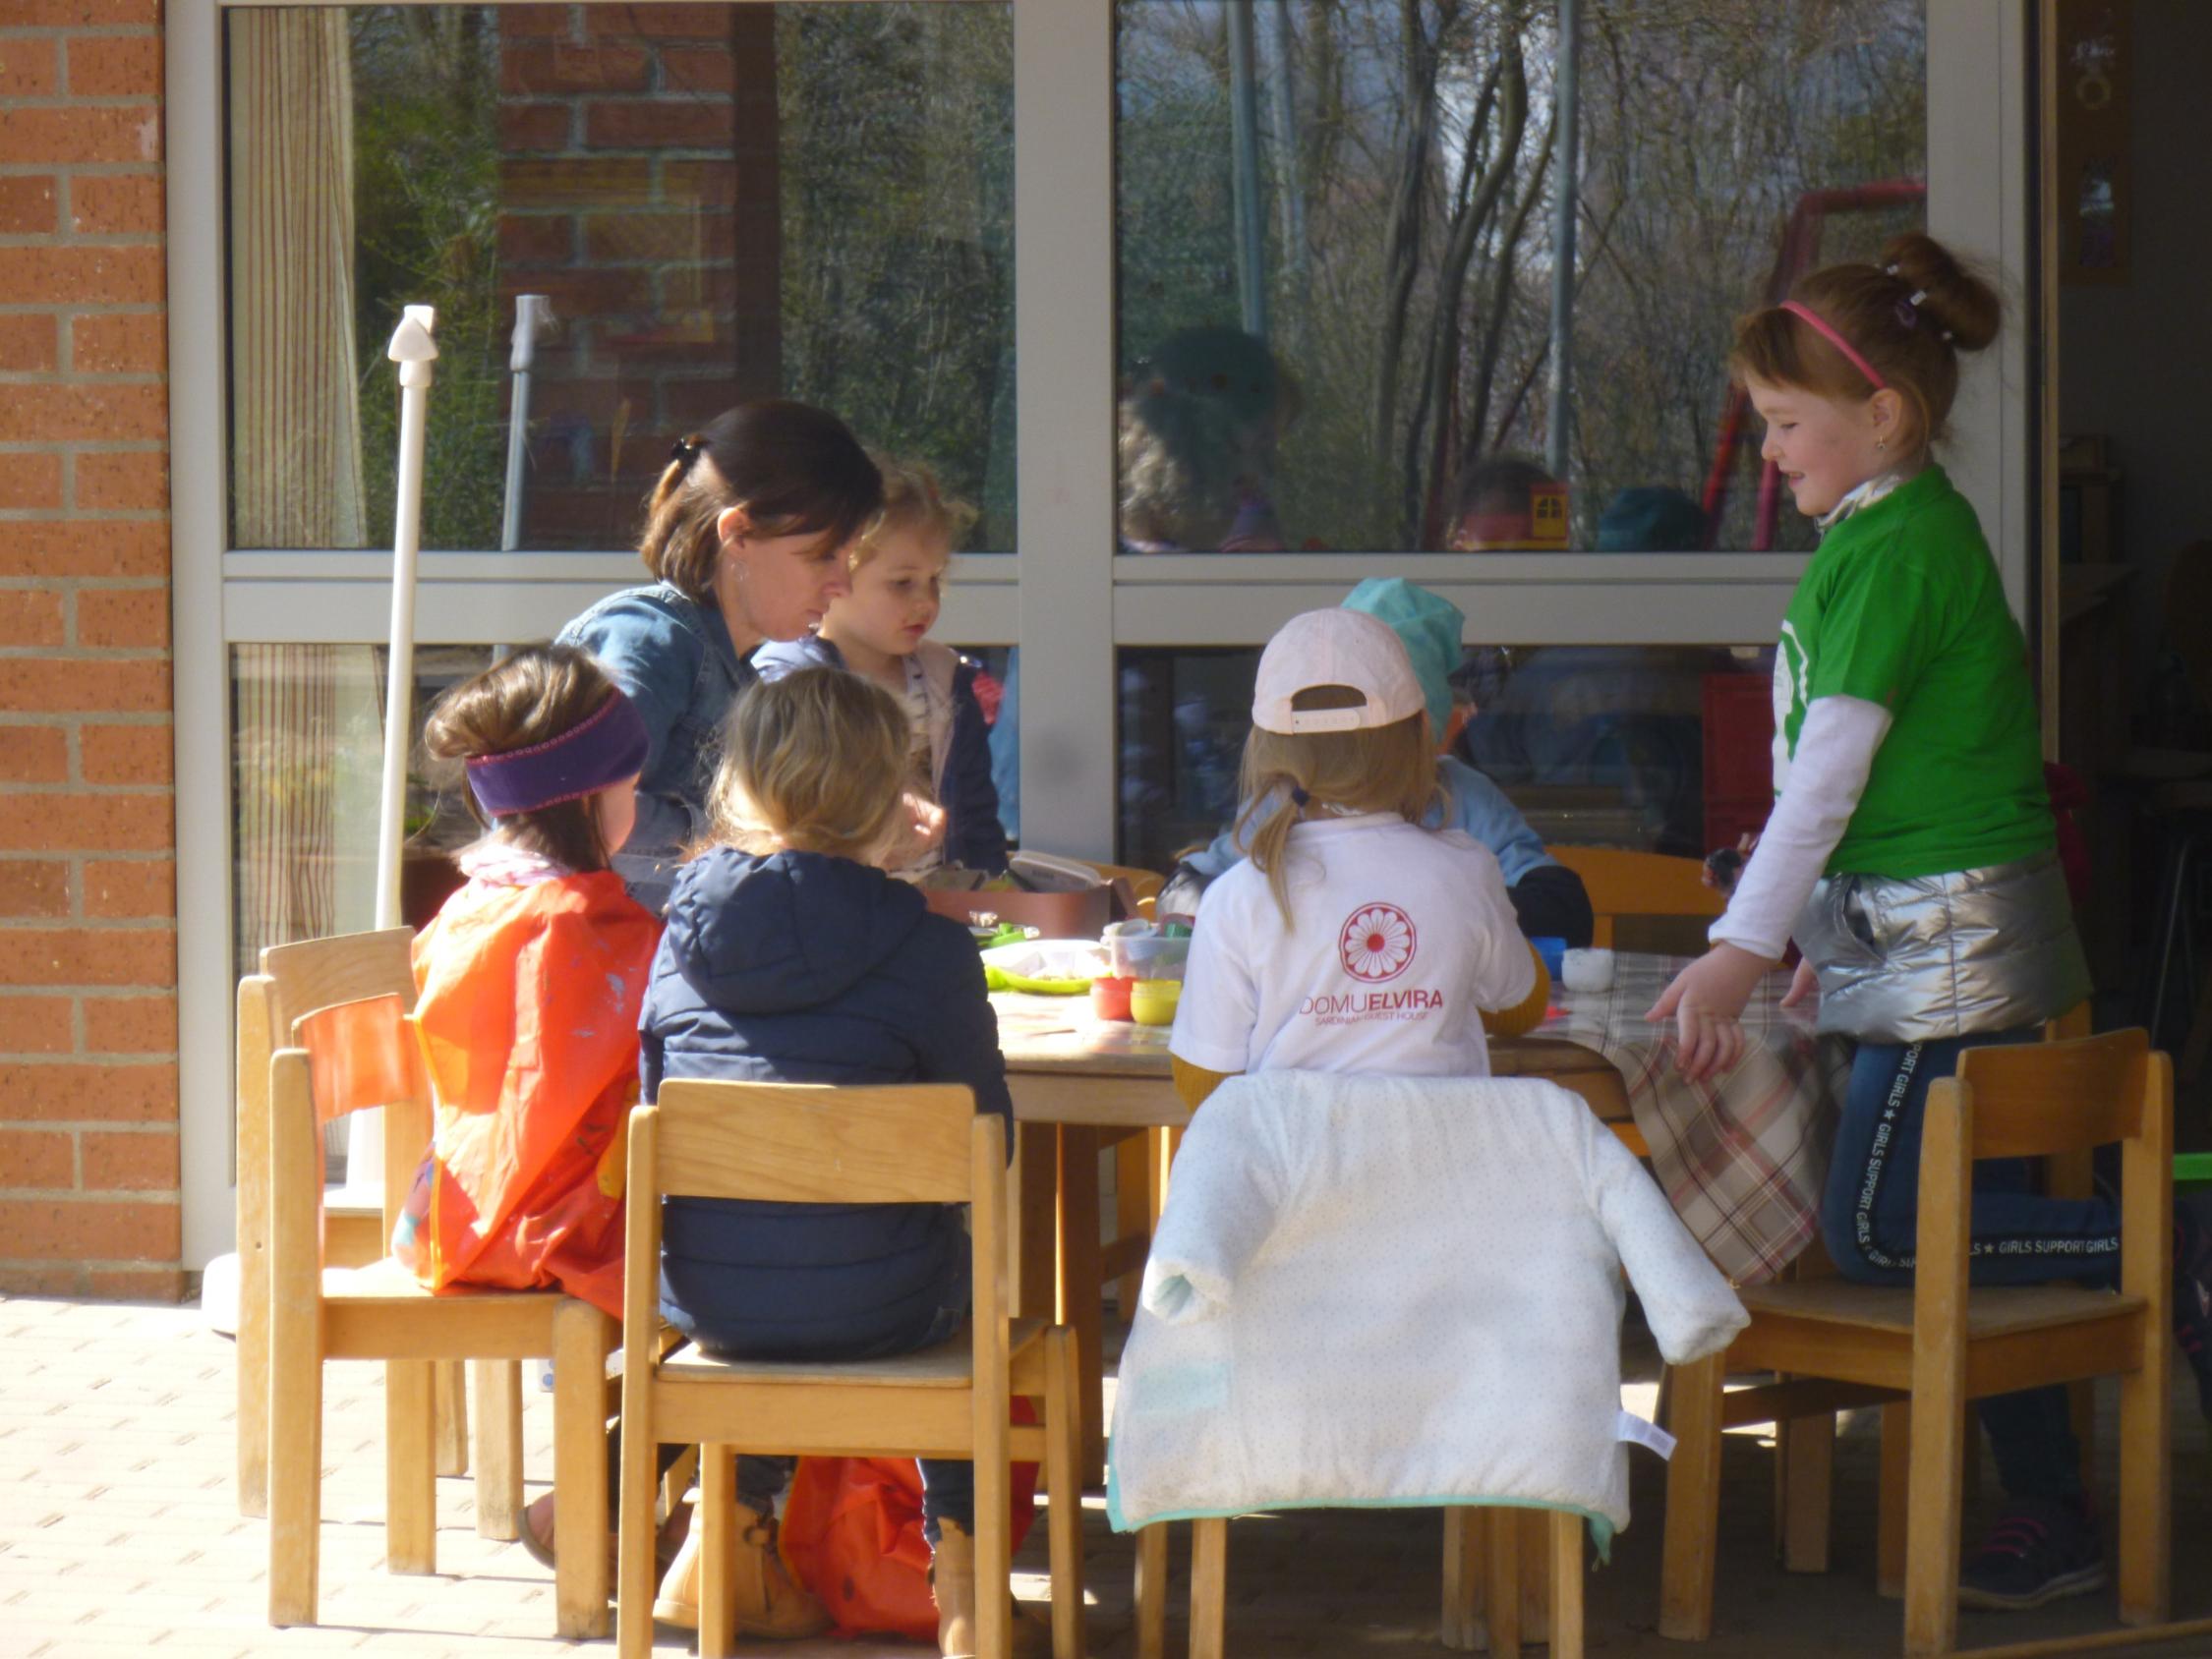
1870, 1212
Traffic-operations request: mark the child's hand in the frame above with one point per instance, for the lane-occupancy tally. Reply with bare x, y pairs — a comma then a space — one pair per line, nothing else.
1705, 1001
1803, 983
925, 828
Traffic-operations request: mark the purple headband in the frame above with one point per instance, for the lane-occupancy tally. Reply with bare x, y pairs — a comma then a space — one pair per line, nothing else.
582, 761
1833, 336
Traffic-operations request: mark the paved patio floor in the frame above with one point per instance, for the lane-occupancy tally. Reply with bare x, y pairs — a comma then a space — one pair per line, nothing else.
119, 1532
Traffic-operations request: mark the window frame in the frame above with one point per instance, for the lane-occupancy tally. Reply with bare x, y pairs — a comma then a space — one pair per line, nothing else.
1048, 600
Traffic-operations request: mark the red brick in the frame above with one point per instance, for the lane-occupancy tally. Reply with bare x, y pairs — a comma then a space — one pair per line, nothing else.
709, 184
115, 203
32, 754
81, 14
27, 67
82, 547
70, 685
57, 1279
543, 22
577, 295
104, 1091
673, 124
659, 22
87, 822
85, 414
29, 616
533, 125
37, 1158
27, 205
125, 754
534, 69
50, 956
135, 1284
131, 343
120, 889
536, 238
31, 482
40, 1026
33, 887
578, 182
46, 136
85, 276
125, 1025
130, 1163
698, 69
27, 346
122, 617
115, 65
131, 482
56, 1230
646, 238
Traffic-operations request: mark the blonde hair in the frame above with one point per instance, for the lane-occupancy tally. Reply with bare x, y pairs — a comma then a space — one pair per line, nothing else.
1909, 316
1381, 769
912, 501
815, 762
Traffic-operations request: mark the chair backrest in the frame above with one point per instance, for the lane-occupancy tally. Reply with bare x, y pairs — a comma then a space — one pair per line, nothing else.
2032, 1100
1642, 884
320, 973
340, 1059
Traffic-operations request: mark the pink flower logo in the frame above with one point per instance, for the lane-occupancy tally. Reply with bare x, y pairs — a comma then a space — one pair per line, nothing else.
1377, 942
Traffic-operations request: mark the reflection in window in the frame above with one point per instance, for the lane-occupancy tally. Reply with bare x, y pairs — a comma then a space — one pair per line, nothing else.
718, 202
1336, 272
1659, 748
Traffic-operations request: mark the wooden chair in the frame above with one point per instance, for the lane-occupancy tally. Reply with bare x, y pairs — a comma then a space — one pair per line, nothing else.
922, 1143
1925, 1351
348, 1057
1667, 897
294, 979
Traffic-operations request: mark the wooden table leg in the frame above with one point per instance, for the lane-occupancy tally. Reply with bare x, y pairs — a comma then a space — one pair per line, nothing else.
1036, 1277
1082, 1287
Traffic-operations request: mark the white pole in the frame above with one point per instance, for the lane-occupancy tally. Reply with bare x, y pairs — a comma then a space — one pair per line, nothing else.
532, 316
413, 349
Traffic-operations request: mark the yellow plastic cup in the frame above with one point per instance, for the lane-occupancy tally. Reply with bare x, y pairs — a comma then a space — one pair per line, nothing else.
1151, 1001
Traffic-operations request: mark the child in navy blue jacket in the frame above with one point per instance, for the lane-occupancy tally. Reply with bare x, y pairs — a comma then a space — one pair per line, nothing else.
880, 630
792, 958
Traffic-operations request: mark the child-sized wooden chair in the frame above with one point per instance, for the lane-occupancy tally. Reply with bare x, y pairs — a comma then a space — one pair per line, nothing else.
294, 979
912, 1144
349, 1057
1935, 1345
1665, 900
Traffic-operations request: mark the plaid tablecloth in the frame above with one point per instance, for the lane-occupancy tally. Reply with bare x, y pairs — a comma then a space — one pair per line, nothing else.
1741, 1156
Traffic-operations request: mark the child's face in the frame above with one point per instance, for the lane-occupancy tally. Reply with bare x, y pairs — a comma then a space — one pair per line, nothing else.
1825, 447
894, 597
615, 809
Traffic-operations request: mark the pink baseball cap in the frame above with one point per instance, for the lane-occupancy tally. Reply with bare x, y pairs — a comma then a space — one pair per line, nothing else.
1337, 646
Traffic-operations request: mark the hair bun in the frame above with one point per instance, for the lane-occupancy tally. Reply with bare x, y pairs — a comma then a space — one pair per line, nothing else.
1954, 298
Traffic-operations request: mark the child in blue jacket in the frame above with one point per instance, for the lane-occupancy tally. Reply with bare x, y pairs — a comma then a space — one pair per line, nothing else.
880, 630
791, 957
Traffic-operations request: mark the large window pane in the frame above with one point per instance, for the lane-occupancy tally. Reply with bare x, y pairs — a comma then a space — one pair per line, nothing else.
716, 202
1659, 748
1336, 258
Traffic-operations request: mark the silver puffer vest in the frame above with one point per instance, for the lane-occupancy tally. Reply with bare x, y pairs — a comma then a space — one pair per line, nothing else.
1913, 960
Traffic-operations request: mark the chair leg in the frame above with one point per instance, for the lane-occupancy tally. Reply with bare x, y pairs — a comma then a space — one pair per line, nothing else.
678, 1481
1693, 1502
1566, 1585
581, 1337
253, 1383
1804, 1468
410, 1467
1152, 1590
1889, 1509
1931, 1517
1064, 1520
1504, 1594
1082, 1284
498, 1449
1133, 1210
1210, 1586
635, 1583
994, 1563
452, 1391
718, 1560
295, 1469
1467, 1543
2146, 1404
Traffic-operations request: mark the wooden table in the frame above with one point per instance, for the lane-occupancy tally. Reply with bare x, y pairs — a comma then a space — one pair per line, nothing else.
1080, 1085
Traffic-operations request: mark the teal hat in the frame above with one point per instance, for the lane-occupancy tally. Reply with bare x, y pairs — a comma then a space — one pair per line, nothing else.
1429, 626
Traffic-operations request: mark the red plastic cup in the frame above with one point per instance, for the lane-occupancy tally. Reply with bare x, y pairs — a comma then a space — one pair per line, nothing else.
1109, 996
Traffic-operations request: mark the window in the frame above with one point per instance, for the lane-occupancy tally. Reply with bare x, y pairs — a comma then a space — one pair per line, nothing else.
1337, 254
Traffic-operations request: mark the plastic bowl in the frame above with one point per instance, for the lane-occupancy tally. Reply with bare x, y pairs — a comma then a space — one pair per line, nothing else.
1151, 1001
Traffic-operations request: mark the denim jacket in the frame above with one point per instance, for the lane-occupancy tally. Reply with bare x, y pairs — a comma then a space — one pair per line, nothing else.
674, 657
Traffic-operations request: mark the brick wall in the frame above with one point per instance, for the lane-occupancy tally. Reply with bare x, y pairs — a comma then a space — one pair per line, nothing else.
89, 1167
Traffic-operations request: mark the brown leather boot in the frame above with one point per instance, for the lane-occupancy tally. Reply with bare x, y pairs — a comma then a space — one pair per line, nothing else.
951, 1581
771, 1604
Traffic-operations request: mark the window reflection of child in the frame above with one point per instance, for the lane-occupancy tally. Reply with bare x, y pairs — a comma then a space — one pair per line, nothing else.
1200, 421
1495, 510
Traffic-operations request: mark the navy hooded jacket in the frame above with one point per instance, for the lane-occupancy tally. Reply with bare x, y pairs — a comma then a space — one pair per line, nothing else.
974, 839
802, 968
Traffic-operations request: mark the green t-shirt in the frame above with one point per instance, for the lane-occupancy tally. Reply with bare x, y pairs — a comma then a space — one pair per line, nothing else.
1903, 606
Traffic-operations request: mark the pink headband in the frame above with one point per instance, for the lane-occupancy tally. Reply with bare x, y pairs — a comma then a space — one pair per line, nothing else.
1834, 337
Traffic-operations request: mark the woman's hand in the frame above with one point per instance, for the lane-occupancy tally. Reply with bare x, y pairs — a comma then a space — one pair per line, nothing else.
1705, 1001
1803, 983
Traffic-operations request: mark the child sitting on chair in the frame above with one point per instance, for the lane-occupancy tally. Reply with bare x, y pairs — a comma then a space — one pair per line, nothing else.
530, 980
792, 958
